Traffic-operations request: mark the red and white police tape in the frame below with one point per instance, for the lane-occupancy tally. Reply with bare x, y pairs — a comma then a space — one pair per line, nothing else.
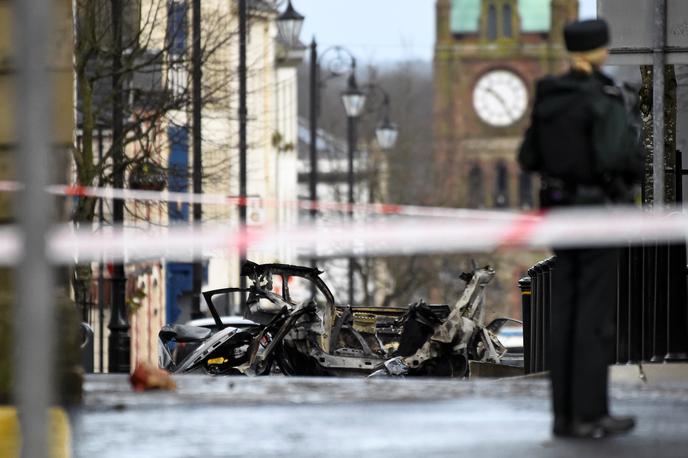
566, 228
422, 230
234, 201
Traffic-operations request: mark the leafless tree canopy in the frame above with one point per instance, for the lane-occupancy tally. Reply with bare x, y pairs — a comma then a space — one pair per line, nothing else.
156, 75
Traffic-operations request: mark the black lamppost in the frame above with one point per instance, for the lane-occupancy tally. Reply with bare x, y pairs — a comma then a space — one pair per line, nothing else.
197, 173
354, 99
119, 341
336, 61
243, 146
289, 25
354, 102
386, 133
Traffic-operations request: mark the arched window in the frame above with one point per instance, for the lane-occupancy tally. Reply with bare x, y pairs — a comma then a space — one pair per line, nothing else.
525, 191
476, 196
507, 30
501, 196
492, 23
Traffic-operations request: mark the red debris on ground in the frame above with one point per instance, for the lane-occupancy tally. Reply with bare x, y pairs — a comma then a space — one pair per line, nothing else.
148, 377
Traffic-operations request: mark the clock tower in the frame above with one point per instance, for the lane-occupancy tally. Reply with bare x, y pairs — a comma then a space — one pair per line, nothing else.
488, 55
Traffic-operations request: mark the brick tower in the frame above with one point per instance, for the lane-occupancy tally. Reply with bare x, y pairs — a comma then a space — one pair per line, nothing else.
488, 55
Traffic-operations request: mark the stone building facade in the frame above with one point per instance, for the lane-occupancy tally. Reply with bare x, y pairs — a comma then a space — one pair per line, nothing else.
488, 55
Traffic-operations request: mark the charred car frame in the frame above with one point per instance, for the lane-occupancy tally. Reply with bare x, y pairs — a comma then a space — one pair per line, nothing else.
309, 334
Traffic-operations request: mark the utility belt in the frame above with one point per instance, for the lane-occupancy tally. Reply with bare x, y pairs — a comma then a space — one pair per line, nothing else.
555, 192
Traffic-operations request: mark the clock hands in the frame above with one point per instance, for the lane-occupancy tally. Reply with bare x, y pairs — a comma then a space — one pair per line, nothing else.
501, 100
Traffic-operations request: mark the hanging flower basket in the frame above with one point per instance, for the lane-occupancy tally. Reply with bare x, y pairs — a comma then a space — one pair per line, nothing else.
147, 176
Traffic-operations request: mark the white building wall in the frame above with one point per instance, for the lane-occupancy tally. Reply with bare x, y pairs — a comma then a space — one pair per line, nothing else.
271, 128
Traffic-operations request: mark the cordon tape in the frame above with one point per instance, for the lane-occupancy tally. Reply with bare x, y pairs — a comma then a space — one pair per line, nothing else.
458, 230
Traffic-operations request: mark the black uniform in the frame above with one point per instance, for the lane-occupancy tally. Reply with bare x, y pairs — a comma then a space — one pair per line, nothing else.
583, 145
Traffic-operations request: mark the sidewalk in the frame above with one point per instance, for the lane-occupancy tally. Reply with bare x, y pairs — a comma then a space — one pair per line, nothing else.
322, 417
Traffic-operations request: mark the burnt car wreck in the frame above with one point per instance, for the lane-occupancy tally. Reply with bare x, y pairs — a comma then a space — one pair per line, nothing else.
307, 333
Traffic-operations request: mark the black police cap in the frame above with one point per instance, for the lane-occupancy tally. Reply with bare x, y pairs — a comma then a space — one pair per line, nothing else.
586, 35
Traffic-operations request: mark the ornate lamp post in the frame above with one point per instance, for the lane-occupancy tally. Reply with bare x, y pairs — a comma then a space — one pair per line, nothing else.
119, 341
378, 101
289, 25
336, 62
386, 132
354, 102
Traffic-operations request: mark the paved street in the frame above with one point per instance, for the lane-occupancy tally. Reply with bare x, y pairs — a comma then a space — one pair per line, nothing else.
318, 417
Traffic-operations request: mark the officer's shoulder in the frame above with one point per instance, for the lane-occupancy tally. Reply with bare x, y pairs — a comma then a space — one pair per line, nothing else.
607, 85
547, 82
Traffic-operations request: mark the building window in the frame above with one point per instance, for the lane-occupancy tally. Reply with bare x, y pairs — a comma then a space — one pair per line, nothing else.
178, 171
501, 196
177, 79
476, 196
177, 25
492, 23
506, 24
525, 191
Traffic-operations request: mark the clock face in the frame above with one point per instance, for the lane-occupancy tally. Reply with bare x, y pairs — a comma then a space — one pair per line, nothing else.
500, 98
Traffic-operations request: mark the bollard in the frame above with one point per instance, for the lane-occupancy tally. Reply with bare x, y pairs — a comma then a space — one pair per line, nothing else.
525, 285
546, 310
677, 315
540, 268
533, 318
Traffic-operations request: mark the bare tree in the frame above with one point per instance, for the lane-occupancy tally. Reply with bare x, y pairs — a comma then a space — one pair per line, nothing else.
156, 77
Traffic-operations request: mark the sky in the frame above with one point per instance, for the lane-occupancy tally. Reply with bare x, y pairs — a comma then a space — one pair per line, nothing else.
379, 30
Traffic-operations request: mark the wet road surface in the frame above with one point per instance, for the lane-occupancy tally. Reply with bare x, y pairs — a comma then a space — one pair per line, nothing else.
336, 417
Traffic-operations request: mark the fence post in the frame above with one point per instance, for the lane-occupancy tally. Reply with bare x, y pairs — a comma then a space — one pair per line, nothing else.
677, 315
525, 285
635, 304
540, 268
649, 299
659, 319
547, 272
532, 338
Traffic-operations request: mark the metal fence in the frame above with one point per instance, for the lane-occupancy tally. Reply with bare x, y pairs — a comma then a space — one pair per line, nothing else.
651, 307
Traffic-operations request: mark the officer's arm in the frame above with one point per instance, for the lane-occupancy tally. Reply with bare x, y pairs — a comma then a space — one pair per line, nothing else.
529, 154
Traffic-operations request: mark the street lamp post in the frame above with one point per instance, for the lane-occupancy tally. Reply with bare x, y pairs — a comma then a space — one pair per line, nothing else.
243, 146
289, 25
386, 134
101, 286
119, 340
354, 102
336, 61
197, 174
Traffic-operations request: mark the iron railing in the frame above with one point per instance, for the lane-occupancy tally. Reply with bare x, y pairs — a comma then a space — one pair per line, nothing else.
651, 307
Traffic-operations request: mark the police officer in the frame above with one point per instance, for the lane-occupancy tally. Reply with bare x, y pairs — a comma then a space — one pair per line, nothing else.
583, 143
